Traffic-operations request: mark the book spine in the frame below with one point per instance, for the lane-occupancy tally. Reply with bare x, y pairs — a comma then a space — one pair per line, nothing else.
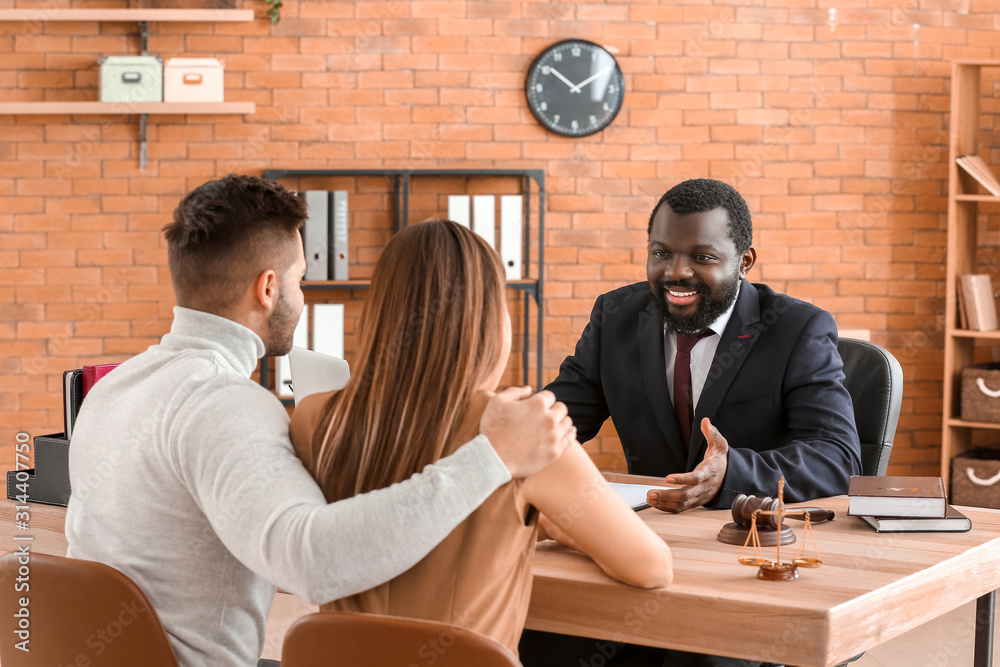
328, 329
72, 398
458, 209
980, 306
511, 209
314, 236
338, 254
92, 373
484, 218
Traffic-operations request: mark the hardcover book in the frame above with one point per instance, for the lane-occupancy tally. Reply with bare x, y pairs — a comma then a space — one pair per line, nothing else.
94, 372
976, 167
976, 292
890, 496
72, 398
953, 522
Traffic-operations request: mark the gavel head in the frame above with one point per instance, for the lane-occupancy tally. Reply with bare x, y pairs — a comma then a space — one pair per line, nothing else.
744, 507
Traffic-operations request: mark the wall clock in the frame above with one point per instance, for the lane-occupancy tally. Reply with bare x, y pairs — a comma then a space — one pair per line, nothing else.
575, 88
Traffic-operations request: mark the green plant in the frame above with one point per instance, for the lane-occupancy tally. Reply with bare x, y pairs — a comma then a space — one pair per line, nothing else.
274, 10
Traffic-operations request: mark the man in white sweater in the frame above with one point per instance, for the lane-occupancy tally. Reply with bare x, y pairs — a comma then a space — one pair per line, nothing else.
182, 472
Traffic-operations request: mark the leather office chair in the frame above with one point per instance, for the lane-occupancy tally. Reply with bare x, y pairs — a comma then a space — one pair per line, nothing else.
77, 608
874, 380
331, 639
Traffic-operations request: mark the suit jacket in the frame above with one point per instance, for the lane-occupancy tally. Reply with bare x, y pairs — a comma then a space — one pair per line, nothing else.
775, 391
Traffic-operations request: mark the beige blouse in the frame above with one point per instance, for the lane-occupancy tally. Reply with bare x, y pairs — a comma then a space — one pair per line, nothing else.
479, 577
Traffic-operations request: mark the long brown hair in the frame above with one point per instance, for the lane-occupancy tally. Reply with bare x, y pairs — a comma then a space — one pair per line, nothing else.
430, 335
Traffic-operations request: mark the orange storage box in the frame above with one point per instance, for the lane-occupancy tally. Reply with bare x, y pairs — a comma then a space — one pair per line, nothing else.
193, 80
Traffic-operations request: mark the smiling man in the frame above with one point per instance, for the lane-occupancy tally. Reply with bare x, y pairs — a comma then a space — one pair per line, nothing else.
719, 384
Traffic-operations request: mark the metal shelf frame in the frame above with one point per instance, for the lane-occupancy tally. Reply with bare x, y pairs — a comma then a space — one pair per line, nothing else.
400, 180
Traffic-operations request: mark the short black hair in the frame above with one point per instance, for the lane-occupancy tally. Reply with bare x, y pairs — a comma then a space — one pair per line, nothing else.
225, 233
699, 195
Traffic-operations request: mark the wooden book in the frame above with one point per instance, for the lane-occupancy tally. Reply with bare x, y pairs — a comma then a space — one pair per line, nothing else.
977, 299
979, 170
897, 496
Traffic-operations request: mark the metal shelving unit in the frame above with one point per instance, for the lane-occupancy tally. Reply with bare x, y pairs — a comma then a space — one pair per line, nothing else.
401, 180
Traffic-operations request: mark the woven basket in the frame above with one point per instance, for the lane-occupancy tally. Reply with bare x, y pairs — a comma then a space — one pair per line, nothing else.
975, 478
981, 393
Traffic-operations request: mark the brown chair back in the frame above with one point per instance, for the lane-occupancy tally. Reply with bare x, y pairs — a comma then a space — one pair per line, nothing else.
334, 639
76, 612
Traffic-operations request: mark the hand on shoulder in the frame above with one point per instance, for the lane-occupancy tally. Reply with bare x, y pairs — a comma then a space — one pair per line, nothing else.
528, 430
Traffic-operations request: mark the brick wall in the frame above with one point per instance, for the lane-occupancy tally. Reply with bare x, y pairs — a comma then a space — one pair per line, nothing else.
831, 121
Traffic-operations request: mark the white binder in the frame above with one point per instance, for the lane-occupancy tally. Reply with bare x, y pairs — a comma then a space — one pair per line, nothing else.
511, 210
338, 254
315, 235
282, 371
458, 209
328, 329
484, 217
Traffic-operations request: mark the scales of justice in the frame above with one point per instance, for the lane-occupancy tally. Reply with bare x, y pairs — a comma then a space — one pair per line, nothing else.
756, 522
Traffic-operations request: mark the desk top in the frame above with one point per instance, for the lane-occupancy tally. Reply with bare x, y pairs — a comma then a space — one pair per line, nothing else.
871, 587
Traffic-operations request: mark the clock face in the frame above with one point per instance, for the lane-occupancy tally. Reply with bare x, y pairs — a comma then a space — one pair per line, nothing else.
575, 88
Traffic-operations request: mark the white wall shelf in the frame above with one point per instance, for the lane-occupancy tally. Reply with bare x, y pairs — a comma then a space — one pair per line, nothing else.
119, 108
124, 15
144, 109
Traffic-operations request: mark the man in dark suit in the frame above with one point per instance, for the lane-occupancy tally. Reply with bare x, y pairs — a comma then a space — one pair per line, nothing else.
720, 385
767, 376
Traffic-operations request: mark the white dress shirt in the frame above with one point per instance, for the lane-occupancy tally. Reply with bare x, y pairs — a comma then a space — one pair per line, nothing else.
702, 353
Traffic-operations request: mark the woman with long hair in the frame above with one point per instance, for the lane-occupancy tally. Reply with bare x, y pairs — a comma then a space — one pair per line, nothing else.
435, 336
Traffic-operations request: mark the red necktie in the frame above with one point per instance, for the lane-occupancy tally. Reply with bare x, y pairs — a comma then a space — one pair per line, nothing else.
683, 403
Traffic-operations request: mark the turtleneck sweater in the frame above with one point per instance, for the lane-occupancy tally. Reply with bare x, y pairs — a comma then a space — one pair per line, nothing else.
183, 478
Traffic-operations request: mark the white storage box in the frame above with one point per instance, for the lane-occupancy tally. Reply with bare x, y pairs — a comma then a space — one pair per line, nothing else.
192, 80
131, 79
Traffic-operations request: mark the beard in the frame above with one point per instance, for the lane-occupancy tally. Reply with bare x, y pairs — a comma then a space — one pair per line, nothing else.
709, 309
281, 328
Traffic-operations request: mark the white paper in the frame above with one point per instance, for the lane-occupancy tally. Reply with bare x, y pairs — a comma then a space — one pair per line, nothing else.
314, 372
634, 494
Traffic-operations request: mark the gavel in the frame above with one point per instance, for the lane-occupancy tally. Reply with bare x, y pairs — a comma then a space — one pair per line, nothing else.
744, 507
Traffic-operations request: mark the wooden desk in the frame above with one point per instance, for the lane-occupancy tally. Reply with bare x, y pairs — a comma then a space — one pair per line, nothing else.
872, 587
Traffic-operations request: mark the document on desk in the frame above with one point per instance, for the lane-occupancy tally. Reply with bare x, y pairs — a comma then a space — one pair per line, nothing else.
634, 494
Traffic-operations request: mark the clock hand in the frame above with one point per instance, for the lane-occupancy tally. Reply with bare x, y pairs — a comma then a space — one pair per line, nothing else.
583, 83
572, 86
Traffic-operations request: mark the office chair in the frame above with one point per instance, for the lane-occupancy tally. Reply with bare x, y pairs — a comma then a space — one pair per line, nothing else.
331, 639
874, 380
66, 608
